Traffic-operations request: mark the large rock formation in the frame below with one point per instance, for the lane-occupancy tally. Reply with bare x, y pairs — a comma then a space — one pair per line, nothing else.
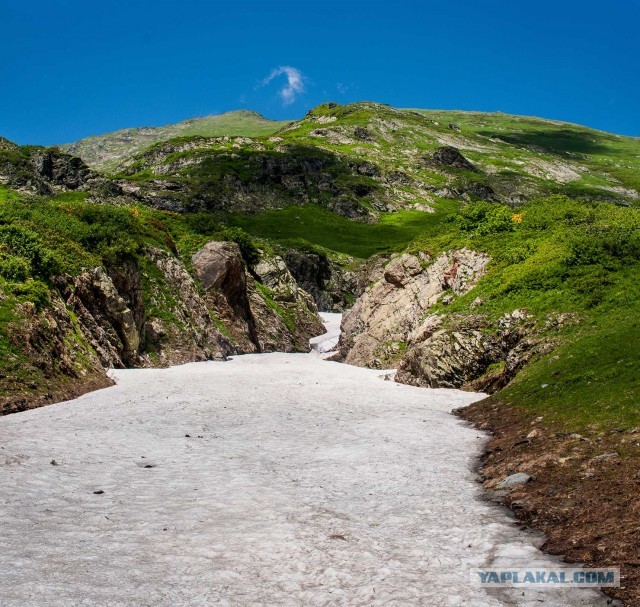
150, 311
469, 352
265, 312
105, 318
180, 327
331, 285
220, 269
41, 170
290, 306
376, 330
392, 326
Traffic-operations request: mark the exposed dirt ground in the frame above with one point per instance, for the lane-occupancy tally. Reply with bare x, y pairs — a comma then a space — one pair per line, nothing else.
585, 495
15, 397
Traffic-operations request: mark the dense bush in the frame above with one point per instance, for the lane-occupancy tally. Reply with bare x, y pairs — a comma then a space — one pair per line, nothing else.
14, 268
604, 245
485, 218
31, 290
23, 243
203, 223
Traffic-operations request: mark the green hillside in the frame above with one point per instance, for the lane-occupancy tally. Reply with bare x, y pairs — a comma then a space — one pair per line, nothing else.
363, 160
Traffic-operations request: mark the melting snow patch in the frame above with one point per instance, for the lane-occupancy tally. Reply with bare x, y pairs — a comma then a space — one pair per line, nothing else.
275, 479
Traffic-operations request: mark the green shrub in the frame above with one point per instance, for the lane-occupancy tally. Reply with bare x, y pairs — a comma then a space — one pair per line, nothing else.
22, 242
14, 268
203, 223
485, 218
607, 245
31, 290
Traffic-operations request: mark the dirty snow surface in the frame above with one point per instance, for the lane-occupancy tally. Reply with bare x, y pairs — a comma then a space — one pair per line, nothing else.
276, 479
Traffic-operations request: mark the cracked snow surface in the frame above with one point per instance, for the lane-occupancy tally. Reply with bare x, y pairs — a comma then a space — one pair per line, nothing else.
273, 479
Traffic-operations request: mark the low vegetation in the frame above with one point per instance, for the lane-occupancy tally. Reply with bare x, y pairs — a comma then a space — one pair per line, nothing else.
561, 256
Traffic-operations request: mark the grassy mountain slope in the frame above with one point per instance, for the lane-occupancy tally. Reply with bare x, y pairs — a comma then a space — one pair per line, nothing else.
364, 160
556, 206
610, 161
104, 152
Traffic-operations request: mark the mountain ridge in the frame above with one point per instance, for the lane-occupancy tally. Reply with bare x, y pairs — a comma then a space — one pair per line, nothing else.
103, 151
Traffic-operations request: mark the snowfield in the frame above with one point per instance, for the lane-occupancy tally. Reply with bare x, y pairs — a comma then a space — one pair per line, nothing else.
273, 479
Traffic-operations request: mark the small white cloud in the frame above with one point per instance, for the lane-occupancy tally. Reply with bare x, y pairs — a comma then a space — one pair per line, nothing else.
294, 85
342, 88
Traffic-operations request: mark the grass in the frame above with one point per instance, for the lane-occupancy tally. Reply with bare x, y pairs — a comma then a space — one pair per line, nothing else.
606, 156
323, 228
593, 379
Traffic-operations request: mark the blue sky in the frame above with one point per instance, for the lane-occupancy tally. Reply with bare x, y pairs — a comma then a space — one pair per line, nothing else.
69, 69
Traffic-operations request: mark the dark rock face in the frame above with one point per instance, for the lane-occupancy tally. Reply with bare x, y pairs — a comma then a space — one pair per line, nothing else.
468, 190
60, 169
331, 286
274, 314
221, 271
182, 327
127, 281
460, 356
42, 170
296, 308
479, 190
363, 134
461, 186
253, 180
105, 318
448, 156
448, 359
312, 272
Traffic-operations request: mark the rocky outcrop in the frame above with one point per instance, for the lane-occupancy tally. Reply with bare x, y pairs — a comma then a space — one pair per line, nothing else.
288, 303
104, 317
60, 169
47, 171
250, 178
391, 326
471, 352
150, 311
264, 312
41, 170
220, 269
377, 329
331, 285
164, 322
180, 327
52, 351
448, 156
